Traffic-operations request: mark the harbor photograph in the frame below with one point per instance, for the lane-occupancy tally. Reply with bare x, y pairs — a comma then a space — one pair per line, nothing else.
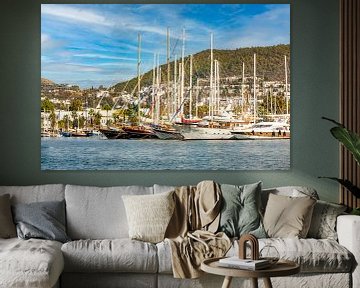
165, 87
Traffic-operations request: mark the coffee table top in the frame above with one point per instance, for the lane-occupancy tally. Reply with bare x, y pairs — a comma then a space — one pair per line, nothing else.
281, 268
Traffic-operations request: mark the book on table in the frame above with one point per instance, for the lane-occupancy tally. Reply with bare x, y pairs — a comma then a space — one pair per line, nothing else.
249, 264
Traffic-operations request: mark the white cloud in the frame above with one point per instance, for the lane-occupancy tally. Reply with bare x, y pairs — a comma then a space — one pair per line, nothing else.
74, 14
101, 56
262, 29
48, 43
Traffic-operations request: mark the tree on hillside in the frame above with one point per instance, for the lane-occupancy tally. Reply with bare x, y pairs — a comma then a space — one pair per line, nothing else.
76, 105
47, 105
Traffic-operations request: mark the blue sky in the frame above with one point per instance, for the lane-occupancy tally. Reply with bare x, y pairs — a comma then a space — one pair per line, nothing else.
92, 45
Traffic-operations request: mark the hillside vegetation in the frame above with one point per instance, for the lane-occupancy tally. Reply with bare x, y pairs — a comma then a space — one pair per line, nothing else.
269, 65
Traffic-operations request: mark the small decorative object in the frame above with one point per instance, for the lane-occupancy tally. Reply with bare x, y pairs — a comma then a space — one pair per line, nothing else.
270, 253
254, 246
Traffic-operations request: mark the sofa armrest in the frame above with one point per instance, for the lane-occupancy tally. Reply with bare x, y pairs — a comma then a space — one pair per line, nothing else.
348, 230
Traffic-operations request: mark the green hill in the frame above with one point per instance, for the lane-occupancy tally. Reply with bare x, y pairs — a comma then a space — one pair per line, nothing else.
269, 65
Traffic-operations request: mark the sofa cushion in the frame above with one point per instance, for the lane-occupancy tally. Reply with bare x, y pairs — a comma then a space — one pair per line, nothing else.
313, 255
35, 193
109, 280
291, 191
117, 255
30, 263
43, 220
7, 226
98, 213
287, 216
149, 215
323, 222
240, 210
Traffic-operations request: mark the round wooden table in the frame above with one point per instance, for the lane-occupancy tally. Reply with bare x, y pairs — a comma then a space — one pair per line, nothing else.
281, 268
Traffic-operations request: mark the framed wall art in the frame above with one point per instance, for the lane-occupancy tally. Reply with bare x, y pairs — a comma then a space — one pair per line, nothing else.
165, 87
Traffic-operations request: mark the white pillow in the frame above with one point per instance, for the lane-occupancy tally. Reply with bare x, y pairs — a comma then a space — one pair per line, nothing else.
149, 215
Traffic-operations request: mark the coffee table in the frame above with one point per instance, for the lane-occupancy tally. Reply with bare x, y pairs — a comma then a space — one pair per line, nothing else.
281, 268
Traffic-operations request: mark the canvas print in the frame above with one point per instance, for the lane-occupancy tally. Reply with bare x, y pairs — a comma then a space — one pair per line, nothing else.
165, 87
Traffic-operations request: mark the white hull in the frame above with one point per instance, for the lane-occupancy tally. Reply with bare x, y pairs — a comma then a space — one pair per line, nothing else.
264, 131
197, 133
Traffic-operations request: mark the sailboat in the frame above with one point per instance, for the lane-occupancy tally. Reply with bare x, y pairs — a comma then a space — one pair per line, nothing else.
278, 128
161, 130
211, 130
139, 131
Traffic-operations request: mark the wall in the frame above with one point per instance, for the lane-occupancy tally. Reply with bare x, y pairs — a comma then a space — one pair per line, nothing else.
314, 72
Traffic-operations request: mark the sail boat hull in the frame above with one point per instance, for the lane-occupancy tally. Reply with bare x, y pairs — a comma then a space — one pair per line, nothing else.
165, 134
139, 132
206, 133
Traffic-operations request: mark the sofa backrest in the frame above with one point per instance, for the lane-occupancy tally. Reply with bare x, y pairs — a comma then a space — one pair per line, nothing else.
98, 212
35, 193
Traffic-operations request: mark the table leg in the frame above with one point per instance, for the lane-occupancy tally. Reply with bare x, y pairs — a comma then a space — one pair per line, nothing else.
254, 282
227, 282
267, 283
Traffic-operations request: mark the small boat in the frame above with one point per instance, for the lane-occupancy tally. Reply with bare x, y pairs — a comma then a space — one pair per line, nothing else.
167, 133
113, 133
185, 121
45, 134
264, 131
79, 134
139, 132
66, 134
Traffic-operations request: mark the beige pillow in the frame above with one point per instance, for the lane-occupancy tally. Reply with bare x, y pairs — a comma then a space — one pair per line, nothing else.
288, 217
149, 215
7, 226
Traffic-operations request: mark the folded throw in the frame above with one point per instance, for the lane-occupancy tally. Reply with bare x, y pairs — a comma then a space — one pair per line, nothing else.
191, 231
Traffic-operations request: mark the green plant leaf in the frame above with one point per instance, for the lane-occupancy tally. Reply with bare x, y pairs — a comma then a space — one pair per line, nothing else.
348, 138
347, 184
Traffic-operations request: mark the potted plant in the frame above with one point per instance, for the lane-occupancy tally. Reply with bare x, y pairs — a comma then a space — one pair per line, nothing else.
351, 141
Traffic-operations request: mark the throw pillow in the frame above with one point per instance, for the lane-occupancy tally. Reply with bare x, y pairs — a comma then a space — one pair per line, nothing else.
149, 215
240, 213
288, 217
43, 220
323, 222
7, 227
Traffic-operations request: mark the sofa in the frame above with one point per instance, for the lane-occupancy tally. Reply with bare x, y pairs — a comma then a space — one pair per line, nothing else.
99, 252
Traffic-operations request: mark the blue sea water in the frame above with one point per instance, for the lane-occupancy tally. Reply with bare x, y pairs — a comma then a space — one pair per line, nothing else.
125, 154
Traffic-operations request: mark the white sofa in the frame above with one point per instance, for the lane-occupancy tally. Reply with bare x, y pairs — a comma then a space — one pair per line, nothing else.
101, 254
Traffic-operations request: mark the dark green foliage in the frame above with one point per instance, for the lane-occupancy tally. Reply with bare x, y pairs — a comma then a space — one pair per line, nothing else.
351, 141
270, 65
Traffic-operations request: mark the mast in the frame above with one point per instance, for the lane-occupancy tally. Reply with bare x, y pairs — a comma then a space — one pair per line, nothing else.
138, 74
153, 90
255, 100
175, 86
217, 86
181, 86
242, 88
197, 99
190, 87
157, 99
182, 72
286, 87
211, 98
168, 71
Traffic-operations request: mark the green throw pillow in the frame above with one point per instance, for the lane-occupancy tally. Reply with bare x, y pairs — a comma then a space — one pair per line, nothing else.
240, 213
